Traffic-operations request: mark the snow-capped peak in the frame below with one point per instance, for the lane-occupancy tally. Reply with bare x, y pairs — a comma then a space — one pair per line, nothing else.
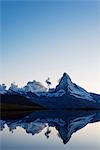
13, 88
73, 89
34, 87
2, 88
64, 81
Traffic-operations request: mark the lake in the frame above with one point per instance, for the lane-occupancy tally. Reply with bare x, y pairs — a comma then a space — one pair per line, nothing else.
46, 130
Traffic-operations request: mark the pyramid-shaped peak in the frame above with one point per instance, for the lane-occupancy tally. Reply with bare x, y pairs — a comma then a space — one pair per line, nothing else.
64, 81
66, 76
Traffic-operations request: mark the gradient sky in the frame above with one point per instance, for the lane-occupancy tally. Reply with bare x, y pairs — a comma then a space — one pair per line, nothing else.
41, 39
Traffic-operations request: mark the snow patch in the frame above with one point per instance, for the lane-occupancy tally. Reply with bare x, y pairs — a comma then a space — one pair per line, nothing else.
59, 93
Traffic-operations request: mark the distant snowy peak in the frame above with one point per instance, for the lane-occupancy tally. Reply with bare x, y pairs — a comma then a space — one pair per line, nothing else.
34, 87
13, 88
2, 89
73, 89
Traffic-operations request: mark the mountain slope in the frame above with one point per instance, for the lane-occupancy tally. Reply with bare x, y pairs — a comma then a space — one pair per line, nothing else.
2, 89
17, 102
73, 89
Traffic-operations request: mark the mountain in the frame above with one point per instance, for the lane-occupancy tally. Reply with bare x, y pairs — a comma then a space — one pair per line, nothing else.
17, 102
66, 95
33, 87
73, 89
2, 89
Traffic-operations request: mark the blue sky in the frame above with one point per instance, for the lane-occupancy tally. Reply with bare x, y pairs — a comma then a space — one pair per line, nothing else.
41, 39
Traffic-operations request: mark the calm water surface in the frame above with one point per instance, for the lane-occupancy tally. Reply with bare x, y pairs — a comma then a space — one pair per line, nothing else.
46, 130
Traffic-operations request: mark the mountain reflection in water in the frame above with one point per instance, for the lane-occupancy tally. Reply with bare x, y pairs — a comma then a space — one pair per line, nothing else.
65, 122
